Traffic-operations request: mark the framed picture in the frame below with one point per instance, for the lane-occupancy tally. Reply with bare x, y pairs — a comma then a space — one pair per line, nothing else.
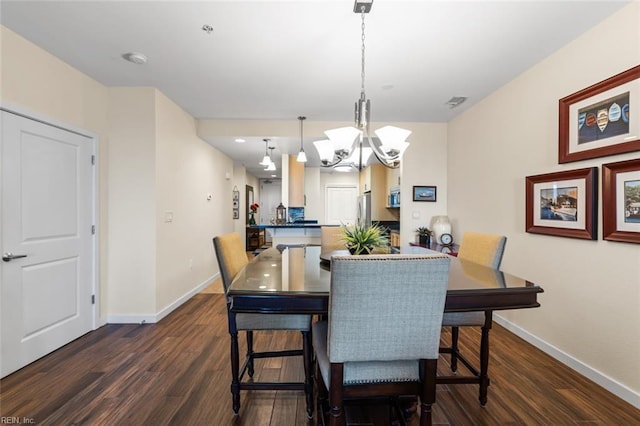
621, 201
424, 193
563, 203
236, 214
602, 119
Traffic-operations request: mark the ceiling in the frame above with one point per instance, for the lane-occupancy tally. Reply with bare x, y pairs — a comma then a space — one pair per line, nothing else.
277, 60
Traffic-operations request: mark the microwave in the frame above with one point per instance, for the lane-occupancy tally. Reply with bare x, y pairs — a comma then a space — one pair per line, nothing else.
394, 197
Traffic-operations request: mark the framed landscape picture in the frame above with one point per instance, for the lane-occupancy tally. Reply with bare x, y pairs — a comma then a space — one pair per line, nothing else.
424, 193
563, 203
601, 120
621, 201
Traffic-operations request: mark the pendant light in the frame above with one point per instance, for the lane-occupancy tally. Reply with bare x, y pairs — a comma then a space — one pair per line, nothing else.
302, 157
266, 160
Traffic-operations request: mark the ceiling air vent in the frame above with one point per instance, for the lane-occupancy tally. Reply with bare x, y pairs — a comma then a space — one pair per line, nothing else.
455, 101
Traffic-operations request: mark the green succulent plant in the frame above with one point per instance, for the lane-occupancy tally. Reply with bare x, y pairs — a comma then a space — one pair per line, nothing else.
361, 239
424, 231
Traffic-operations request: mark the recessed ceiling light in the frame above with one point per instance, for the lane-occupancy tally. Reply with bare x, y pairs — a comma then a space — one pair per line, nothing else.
239, 140
135, 57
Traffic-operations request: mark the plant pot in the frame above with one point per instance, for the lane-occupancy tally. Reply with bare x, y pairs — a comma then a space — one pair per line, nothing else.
424, 240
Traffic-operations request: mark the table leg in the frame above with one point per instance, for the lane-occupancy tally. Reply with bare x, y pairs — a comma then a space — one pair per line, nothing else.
484, 357
307, 354
235, 362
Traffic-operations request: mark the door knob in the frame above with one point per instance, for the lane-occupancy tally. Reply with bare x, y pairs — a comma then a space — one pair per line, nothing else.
8, 257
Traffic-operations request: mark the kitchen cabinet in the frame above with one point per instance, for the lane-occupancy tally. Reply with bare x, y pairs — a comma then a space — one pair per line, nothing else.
255, 238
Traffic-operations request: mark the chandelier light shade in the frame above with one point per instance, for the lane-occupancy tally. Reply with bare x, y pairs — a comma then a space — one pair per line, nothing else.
346, 144
302, 157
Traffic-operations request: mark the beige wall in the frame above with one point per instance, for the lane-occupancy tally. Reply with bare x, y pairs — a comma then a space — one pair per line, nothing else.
131, 262
187, 171
150, 160
590, 314
39, 83
423, 163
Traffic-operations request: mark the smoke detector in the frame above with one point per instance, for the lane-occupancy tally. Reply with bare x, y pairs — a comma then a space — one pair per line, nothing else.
135, 57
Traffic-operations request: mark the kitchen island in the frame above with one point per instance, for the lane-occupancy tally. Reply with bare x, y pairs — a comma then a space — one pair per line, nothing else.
292, 233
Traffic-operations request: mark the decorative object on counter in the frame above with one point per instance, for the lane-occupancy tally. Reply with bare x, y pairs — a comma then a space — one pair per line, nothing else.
281, 214
563, 204
362, 239
440, 225
424, 236
425, 193
345, 148
253, 210
597, 121
446, 239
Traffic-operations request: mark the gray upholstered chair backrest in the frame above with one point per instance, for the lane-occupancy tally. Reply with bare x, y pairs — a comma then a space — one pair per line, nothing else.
485, 249
386, 307
231, 256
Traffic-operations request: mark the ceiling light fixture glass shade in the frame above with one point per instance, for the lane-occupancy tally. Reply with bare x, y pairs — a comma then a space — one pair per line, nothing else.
266, 160
302, 157
344, 141
271, 167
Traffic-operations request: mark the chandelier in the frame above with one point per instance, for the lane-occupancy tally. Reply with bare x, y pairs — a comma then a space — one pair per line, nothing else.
345, 149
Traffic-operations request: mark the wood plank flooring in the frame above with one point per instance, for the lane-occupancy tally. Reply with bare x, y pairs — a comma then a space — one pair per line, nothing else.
176, 372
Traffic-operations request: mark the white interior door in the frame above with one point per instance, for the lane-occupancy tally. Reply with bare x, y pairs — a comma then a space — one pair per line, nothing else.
270, 198
47, 217
341, 205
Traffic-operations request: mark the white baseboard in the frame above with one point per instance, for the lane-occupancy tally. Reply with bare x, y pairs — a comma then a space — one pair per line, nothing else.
154, 318
618, 389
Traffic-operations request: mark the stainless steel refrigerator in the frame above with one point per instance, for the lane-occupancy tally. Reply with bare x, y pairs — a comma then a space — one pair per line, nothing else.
364, 209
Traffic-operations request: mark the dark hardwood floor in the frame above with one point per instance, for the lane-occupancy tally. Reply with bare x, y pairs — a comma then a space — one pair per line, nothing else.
176, 372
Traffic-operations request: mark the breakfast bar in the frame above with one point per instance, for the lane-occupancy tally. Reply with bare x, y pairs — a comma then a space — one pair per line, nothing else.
292, 233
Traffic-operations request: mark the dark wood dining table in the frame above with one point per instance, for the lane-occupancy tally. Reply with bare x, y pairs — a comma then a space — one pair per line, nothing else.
296, 280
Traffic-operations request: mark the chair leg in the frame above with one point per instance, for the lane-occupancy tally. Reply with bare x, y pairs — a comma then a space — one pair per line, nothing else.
322, 396
250, 369
307, 355
454, 348
235, 371
428, 397
337, 417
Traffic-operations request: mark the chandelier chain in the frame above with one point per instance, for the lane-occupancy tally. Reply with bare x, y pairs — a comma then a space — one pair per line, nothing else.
362, 64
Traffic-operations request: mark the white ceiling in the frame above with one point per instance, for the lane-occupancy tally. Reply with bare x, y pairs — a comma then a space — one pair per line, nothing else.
277, 60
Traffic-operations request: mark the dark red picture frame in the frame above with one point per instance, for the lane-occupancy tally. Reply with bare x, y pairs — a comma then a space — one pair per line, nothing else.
565, 121
611, 204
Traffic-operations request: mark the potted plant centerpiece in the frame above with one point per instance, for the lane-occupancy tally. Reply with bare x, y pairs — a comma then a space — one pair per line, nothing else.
424, 236
361, 239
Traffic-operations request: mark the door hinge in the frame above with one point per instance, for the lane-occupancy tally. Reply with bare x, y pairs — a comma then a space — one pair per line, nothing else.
93, 299
93, 160
93, 230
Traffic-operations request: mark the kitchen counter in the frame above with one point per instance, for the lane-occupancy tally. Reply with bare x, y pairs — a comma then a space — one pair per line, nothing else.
291, 225
293, 233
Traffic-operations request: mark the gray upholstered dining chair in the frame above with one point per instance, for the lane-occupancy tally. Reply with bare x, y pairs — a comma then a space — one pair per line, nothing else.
232, 258
383, 330
487, 250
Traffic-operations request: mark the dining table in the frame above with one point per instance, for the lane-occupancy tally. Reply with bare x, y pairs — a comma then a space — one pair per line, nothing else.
296, 279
